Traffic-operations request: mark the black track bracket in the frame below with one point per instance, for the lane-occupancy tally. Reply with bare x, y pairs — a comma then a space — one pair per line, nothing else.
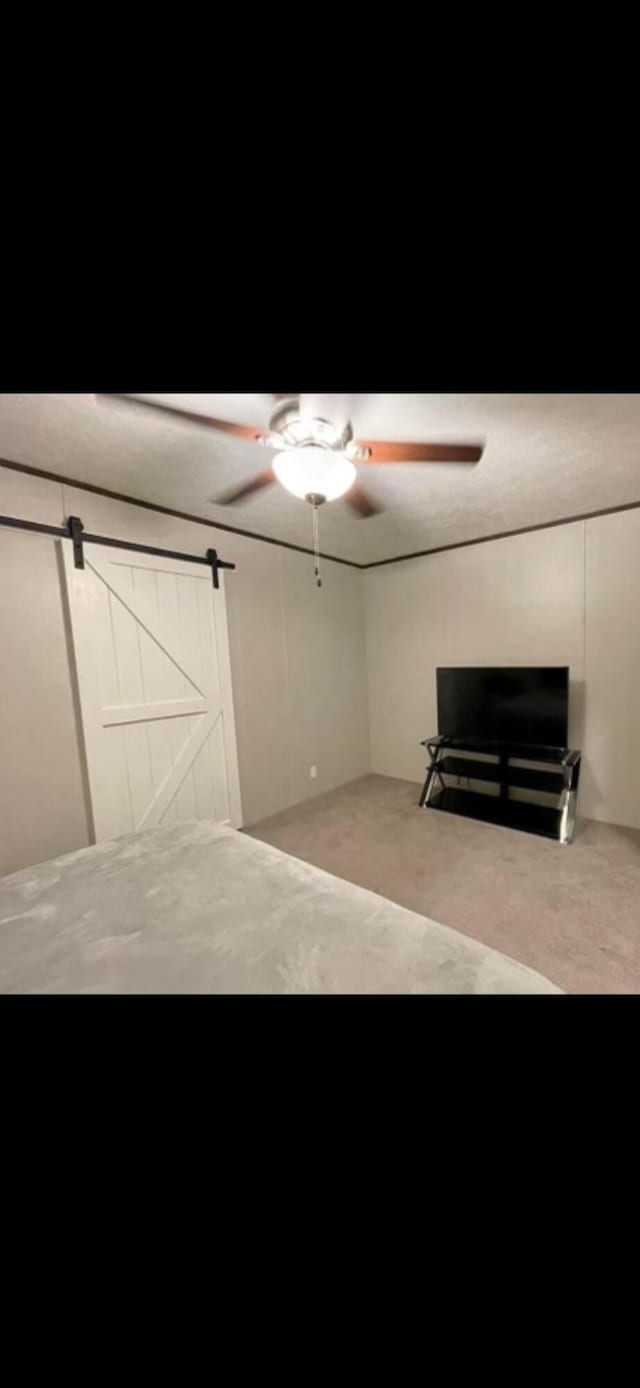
212, 557
75, 534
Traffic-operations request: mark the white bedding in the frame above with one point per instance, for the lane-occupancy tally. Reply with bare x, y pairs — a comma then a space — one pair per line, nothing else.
196, 908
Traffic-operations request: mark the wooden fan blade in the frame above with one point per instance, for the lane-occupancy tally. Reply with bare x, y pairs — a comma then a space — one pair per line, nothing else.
360, 501
263, 479
245, 431
421, 452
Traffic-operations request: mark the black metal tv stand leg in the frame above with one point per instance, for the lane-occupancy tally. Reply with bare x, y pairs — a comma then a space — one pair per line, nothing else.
571, 774
435, 750
426, 789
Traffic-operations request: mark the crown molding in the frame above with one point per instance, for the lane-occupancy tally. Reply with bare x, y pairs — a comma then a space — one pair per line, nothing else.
302, 549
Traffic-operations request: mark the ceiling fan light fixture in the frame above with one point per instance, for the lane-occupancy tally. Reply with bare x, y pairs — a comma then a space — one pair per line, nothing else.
311, 471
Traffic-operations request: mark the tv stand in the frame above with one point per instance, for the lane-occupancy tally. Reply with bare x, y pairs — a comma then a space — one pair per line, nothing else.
509, 767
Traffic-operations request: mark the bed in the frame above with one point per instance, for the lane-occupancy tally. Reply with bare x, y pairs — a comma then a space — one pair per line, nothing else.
202, 908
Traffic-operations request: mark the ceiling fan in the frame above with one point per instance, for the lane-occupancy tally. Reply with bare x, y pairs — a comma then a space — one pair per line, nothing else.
315, 459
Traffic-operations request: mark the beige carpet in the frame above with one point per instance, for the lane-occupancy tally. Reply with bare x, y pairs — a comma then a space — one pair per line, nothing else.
573, 913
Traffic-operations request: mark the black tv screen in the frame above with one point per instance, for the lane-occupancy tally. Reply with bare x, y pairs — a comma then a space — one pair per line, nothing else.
528, 705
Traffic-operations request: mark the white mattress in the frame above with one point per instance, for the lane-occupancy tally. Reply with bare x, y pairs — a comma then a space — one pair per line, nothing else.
197, 908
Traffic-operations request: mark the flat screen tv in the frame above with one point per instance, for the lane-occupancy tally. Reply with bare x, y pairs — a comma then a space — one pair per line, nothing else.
527, 705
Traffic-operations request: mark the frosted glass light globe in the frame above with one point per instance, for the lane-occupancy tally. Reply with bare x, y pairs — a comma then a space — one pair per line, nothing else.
317, 471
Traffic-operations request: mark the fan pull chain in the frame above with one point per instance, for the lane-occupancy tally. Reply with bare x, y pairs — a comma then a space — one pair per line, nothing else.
316, 546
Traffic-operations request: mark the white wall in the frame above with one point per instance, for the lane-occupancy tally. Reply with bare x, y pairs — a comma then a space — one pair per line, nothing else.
612, 636
565, 596
298, 661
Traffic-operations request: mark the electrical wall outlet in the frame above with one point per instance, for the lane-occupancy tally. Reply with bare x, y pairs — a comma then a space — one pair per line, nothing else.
313, 772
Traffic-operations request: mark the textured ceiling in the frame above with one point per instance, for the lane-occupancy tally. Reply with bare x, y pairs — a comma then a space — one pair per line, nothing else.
546, 457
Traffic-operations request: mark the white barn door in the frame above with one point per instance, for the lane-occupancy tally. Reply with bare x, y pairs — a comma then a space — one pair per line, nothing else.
152, 659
